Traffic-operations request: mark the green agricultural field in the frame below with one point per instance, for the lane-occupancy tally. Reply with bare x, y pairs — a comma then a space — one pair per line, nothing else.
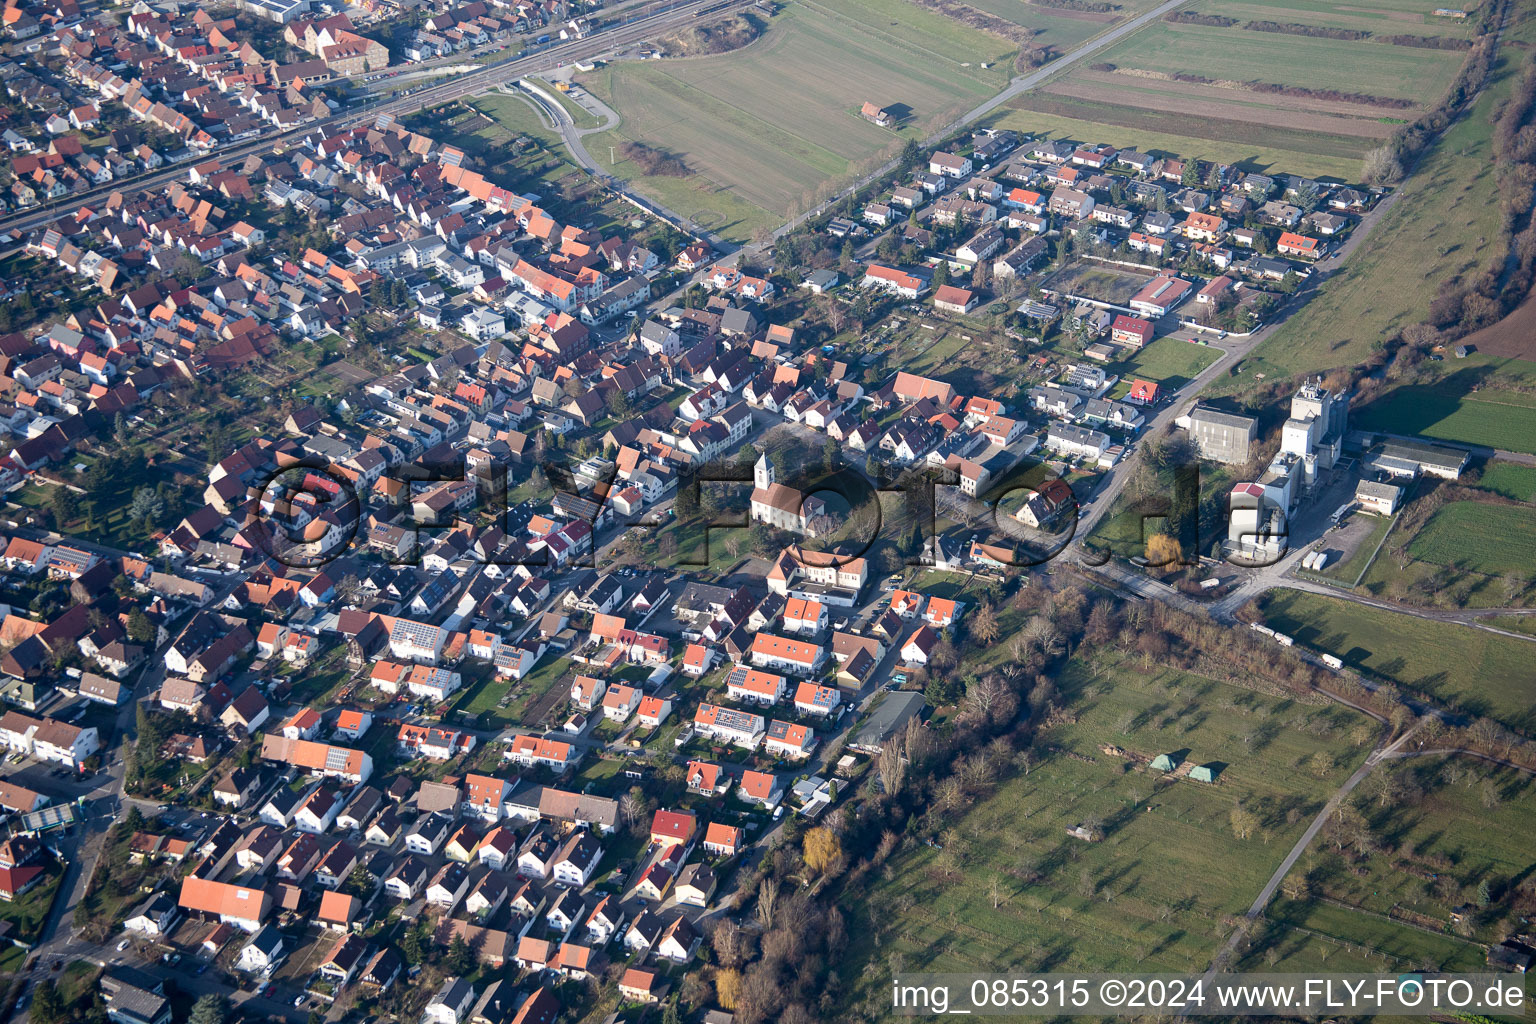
1509, 480
1497, 419
1482, 537
1169, 866
767, 127
1246, 145
1446, 214
1413, 17
1469, 555
1236, 54
1060, 29
1474, 669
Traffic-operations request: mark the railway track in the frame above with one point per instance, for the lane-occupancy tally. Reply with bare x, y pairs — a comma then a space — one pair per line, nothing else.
642, 26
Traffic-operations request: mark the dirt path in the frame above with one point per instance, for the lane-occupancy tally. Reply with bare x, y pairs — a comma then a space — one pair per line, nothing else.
1224, 955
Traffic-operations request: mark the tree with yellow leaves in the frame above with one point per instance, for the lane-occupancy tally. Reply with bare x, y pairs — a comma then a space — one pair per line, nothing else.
1163, 550
728, 988
822, 850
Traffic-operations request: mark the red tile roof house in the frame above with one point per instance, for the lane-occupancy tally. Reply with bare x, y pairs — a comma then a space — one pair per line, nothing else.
893, 279
954, 300
1208, 295
673, 828
17, 880
1292, 244
722, 840
788, 739
1130, 330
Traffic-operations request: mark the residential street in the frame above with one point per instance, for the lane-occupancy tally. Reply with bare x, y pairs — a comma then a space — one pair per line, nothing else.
1235, 351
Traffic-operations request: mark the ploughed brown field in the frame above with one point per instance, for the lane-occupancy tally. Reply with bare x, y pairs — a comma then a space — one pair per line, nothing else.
1233, 104
1237, 92
1514, 337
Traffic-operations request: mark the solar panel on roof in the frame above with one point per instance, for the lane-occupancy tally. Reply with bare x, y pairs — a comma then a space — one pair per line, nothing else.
336, 759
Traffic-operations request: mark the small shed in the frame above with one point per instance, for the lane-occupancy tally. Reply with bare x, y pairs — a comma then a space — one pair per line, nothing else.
1205, 772
1165, 762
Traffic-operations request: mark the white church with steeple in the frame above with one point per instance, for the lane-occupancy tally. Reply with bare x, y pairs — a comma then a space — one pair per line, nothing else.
780, 506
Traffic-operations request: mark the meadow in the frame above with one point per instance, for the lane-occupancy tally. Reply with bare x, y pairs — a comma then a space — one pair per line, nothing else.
1169, 868
1097, 282
1436, 230
767, 127
1442, 826
1234, 54
1509, 480
1481, 672
1063, 30
1498, 419
1479, 536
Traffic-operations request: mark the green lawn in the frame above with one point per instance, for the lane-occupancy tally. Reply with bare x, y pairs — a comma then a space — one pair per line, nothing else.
936, 358
1480, 536
515, 115
1169, 868
318, 684
1509, 480
1451, 411
481, 698
766, 127
577, 112
29, 913
1438, 230
1168, 361
1481, 672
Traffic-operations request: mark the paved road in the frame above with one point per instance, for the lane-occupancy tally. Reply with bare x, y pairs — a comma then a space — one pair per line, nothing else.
1236, 349
1016, 87
511, 69
1039, 76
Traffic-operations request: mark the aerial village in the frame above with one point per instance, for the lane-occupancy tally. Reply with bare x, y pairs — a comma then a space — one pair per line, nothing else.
411, 684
